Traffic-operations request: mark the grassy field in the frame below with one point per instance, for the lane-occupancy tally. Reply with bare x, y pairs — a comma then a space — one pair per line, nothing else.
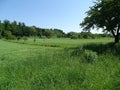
62, 42
53, 64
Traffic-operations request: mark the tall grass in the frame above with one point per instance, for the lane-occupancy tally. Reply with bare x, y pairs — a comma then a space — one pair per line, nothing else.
29, 67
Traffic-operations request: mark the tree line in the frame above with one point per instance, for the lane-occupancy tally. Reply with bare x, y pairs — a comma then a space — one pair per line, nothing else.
12, 30
17, 29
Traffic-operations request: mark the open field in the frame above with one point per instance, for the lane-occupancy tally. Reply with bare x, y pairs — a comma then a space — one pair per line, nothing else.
62, 42
52, 64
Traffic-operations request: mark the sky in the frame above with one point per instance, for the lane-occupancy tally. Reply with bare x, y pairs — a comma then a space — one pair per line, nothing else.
61, 14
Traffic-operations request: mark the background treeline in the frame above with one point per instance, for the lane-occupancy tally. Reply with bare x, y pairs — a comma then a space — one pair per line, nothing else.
13, 30
86, 35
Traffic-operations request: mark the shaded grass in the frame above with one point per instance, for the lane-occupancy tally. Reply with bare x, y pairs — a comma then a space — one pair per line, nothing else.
109, 48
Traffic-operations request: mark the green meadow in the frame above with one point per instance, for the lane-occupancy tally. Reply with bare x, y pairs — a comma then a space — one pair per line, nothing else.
59, 64
62, 42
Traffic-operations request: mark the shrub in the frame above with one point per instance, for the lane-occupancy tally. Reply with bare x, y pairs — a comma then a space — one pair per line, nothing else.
0, 36
25, 38
18, 38
11, 37
78, 51
90, 56
34, 40
85, 54
8, 35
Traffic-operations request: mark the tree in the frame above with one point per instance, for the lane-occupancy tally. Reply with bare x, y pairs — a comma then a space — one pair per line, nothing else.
49, 33
39, 31
20, 29
59, 33
87, 35
72, 35
104, 14
7, 25
1, 28
8, 35
14, 28
32, 31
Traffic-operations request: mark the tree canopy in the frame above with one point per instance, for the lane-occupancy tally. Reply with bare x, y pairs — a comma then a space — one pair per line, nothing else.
104, 14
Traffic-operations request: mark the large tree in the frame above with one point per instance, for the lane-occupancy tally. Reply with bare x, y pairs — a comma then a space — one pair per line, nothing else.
104, 14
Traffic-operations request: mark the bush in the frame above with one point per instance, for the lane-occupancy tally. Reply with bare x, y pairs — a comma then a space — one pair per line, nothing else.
25, 38
8, 35
78, 51
0, 36
18, 38
87, 55
34, 40
90, 56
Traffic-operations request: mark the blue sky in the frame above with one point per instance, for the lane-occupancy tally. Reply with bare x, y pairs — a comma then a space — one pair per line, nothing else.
61, 14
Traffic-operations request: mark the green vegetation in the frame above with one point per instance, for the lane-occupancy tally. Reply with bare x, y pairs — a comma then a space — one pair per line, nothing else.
104, 14
45, 67
61, 42
17, 30
33, 58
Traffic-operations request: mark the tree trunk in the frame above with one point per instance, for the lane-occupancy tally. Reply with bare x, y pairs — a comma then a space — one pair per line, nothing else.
116, 39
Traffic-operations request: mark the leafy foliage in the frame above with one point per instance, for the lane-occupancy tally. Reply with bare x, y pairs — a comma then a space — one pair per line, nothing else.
104, 14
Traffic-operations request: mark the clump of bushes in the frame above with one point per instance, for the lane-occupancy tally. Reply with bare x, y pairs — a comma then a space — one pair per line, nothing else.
90, 56
18, 38
87, 55
25, 38
8, 35
0, 36
78, 51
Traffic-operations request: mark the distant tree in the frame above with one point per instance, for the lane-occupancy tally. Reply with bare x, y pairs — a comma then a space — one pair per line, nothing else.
59, 33
1, 28
39, 32
6, 25
87, 35
20, 30
32, 31
8, 35
72, 35
104, 14
49, 33
14, 28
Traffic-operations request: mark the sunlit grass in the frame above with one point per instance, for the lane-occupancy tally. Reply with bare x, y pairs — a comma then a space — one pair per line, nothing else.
35, 67
62, 42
